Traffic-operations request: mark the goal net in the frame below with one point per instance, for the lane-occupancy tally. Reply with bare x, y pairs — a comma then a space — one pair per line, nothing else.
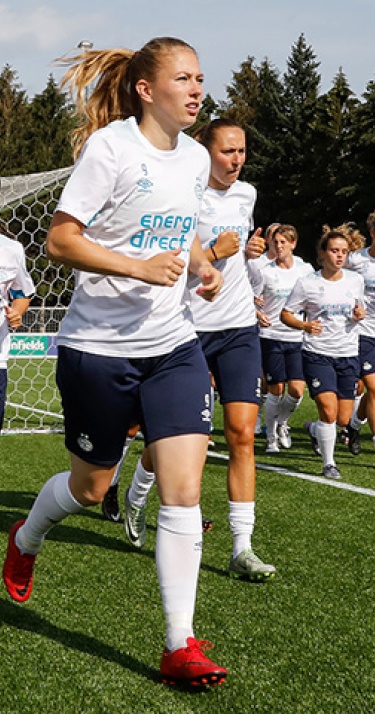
27, 204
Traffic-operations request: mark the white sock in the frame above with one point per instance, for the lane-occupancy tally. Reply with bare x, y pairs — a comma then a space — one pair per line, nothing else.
116, 475
312, 429
271, 412
178, 557
326, 437
141, 485
51, 506
287, 406
355, 422
241, 522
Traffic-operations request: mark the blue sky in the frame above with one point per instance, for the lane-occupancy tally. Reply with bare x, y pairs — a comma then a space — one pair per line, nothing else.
224, 32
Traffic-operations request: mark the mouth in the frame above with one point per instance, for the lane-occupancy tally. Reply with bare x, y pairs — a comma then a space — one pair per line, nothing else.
192, 108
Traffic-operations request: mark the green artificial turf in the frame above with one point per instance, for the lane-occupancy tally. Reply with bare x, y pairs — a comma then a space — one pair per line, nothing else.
90, 638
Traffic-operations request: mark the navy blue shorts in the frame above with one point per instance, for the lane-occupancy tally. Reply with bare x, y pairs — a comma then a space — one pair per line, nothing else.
233, 357
102, 397
331, 374
281, 361
366, 355
3, 392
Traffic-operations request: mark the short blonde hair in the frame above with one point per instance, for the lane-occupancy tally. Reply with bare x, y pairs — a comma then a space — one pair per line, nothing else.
289, 232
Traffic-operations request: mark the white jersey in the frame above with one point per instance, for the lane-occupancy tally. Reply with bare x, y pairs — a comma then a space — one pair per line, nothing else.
362, 262
278, 283
231, 209
136, 200
13, 276
332, 302
255, 267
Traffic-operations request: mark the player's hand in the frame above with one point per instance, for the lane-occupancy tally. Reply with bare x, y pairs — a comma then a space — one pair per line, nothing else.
162, 269
359, 312
259, 301
13, 317
211, 280
256, 245
314, 327
263, 319
227, 244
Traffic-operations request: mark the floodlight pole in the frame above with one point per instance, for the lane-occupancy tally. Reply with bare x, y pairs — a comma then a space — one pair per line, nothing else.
86, 45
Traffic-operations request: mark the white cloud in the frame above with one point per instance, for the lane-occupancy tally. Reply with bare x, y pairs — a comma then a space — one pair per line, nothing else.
42, 26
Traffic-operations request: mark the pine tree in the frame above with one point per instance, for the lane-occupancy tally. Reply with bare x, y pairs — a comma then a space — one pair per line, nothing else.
362, 155
51, 123
14, 119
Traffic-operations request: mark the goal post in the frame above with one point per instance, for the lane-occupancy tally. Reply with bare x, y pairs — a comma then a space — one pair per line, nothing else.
27, 204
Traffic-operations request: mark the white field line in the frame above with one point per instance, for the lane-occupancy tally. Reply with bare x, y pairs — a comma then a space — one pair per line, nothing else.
305, 477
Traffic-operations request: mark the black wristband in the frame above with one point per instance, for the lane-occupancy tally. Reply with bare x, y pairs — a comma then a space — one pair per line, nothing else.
213, 252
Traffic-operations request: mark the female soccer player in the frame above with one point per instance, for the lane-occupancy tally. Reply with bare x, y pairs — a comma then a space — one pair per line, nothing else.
16, 287
363, 262
281, 347
332, 299
128, 352
229, 335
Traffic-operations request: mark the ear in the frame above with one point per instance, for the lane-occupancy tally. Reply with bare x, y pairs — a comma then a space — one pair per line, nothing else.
144, 90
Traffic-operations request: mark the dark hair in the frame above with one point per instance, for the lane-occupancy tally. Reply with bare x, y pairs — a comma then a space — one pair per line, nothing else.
328, 235
206, 135
4, 231
371, 221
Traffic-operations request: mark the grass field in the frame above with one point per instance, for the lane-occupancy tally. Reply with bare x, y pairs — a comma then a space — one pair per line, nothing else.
90, 638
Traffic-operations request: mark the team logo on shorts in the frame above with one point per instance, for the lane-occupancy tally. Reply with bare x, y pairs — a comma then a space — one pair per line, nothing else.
367, 366
315, 383
206, 414
84, 443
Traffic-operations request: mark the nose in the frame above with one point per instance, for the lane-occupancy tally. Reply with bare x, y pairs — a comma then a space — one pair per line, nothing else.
196, 88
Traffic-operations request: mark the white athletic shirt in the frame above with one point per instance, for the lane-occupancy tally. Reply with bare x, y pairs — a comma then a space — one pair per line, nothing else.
332, 302
13, 276
231, 209
362, 262
136, 200
255, 267
278, 283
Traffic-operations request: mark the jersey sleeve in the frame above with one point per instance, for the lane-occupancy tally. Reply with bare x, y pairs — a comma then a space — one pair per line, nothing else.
92, 181
22, 282
296, 300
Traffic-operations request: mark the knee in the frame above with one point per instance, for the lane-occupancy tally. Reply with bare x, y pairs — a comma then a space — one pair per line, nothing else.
241, 438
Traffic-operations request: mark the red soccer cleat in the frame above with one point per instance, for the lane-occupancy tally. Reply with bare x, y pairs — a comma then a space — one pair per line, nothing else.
18, 569
189, 666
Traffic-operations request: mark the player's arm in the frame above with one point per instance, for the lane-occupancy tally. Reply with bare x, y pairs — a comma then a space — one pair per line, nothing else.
66, 244
210, 277
226, 244
314, 327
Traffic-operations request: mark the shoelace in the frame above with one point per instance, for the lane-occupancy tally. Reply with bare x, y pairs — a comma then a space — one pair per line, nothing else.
25, 566
199, 645
138, 517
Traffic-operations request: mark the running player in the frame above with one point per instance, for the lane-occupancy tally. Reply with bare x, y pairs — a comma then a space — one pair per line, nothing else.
126, 221
281, 346
16, 287
229, 335
332, 299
